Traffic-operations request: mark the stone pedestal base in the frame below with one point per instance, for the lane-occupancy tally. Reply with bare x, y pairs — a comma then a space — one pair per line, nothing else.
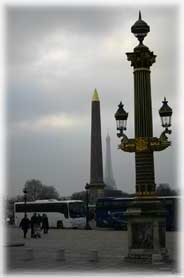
95, 191
146, 232
148, 257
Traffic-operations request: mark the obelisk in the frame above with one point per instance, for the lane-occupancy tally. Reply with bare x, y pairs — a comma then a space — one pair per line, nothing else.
96, 184
141, 60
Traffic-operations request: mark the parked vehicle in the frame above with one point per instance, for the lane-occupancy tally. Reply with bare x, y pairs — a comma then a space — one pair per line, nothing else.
118, 220
61, 214
107, 207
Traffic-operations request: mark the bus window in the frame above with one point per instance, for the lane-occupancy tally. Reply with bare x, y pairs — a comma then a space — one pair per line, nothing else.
76, 210
65, 210
100, 204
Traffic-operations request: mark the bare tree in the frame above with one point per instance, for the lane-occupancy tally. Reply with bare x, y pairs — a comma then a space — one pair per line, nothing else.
37, 191
164, 189
33, 188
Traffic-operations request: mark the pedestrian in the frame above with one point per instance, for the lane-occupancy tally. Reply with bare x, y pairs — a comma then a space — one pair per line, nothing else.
33, 220
39, 219
45, 223
37, 227
24, 224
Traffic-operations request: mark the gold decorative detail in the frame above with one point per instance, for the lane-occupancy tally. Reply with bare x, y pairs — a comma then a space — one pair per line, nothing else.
128, 145
146, 194
159, 144
144, 144
141, 144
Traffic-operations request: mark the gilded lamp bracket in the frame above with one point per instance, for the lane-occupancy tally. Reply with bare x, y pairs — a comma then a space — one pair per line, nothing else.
145, 144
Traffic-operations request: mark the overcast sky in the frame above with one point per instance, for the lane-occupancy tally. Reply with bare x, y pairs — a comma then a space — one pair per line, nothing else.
55, 58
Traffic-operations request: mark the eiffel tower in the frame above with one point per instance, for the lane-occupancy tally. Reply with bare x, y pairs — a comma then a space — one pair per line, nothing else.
109, 178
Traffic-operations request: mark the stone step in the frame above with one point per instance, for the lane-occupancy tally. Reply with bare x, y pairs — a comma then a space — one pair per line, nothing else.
139, 258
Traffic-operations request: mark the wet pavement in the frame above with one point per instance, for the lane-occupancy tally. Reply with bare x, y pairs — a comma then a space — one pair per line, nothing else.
73, 251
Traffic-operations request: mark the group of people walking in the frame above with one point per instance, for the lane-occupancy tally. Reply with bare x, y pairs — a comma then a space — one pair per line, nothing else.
37, 223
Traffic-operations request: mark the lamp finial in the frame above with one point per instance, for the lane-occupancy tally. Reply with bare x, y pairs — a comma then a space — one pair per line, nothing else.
140, 18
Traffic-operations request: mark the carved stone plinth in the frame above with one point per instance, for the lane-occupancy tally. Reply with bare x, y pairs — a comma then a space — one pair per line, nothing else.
95, 191
146, 231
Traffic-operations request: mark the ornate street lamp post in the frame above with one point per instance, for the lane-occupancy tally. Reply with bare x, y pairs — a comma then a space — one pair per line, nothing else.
146, 220
25, 201
87, 227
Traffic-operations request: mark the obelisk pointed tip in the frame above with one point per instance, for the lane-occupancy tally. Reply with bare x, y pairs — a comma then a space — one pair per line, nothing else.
95, 96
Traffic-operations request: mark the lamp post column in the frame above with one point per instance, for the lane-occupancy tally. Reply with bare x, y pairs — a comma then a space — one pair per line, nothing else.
146, 216
87, 207
144, 161
25, 202
141, 60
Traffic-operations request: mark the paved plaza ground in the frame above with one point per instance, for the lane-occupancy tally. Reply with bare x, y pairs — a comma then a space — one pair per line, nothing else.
45, 255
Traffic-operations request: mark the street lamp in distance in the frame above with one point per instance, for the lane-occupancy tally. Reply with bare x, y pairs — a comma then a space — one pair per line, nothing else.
87, 227
25, 200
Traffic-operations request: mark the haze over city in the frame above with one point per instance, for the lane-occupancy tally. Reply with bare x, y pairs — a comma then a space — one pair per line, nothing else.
55, 58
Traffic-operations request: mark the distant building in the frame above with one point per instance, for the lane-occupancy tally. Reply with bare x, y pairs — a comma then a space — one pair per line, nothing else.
109, 178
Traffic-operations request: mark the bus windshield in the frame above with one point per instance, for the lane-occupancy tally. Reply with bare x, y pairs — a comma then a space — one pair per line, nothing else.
76, 210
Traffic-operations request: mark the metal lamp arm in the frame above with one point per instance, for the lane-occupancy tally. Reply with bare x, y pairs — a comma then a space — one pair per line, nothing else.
163, 136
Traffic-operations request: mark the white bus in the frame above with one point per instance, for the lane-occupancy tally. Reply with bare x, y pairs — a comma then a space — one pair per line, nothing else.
61, 214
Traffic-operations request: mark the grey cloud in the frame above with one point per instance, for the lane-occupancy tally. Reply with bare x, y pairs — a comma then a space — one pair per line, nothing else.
28, 27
